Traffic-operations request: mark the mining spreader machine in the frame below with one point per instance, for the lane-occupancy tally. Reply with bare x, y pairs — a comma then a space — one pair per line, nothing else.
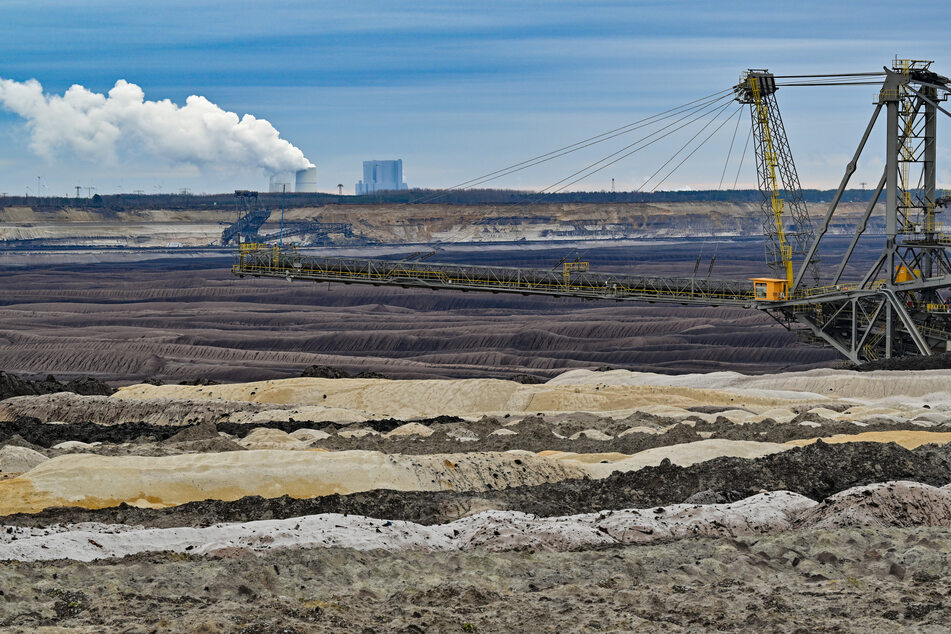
896, 307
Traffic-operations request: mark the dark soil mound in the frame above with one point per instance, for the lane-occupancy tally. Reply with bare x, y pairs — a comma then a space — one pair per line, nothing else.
941, 361
817, 471
526, 379
201, 431
324, 372
48, 434
330, 372
200, 382
12, 385
538, 434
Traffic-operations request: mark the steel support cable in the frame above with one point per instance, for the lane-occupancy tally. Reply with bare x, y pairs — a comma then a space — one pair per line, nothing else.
694, 151
714, 108
729, 152
684, 146
620, 158
726, 164
604, 136
507, 172
749, 136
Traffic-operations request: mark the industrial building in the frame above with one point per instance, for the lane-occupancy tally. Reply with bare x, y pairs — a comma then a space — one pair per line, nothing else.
379, 176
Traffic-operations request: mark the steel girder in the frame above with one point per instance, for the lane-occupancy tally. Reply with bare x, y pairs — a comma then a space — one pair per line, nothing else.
872, 324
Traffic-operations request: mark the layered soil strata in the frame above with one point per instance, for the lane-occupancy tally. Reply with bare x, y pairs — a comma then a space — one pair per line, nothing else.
755, 503
816, 471
529, 434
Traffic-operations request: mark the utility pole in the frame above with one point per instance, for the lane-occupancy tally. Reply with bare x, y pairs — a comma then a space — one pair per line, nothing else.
280, 240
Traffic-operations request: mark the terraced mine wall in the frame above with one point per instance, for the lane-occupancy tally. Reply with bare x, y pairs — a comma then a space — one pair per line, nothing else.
25, 226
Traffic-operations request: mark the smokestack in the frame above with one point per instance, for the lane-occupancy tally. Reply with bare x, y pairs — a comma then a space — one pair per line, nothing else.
306, 180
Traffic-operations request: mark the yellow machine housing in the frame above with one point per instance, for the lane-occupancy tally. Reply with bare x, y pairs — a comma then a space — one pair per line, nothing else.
770, 289
904, 274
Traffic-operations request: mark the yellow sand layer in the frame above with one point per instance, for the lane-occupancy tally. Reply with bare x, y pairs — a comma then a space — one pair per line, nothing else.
93, 481
600, 465
464, 397
908, 439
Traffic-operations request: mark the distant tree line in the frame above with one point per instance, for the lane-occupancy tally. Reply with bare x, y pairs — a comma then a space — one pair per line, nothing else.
130, 202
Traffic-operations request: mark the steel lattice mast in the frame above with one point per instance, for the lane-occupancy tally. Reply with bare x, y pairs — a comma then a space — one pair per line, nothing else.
787, 227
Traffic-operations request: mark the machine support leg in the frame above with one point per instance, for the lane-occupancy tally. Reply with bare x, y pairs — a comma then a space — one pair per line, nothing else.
849, 170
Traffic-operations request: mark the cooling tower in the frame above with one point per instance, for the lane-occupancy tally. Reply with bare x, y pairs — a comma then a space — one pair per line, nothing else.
306, 180
279, 183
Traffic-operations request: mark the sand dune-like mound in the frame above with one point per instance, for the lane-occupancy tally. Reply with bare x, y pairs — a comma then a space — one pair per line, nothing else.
839, 395
265, 438
685, 454
278, 464
824, 382
92, 481
375, 398
490, 530
15, 459
886, 504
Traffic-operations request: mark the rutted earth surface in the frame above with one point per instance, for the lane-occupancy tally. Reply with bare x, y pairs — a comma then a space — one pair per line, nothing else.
609, 500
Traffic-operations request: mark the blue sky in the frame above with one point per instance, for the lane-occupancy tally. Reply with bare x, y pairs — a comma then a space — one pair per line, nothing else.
459, 89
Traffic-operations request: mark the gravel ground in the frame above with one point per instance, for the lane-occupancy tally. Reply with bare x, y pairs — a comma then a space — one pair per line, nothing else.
872, 580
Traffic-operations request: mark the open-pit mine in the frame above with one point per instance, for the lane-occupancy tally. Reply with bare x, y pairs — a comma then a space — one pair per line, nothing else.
569, 416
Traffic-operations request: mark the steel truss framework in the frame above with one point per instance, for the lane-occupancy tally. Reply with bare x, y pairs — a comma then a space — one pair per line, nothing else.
570, 281
896, 308
787, 227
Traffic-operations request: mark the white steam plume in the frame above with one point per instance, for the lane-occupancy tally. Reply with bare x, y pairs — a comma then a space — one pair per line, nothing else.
94, 126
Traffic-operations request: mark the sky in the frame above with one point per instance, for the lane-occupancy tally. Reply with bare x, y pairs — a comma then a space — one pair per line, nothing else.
458, 89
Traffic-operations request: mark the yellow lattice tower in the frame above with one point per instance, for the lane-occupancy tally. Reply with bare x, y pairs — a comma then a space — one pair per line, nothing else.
762, 117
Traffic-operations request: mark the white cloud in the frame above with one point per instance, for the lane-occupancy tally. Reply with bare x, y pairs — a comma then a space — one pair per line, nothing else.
101, 128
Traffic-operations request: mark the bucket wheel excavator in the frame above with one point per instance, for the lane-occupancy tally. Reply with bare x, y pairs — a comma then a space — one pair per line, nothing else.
895, 307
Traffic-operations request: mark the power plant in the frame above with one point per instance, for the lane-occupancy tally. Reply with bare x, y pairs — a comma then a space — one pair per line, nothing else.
896, 307
380, 176
304, 181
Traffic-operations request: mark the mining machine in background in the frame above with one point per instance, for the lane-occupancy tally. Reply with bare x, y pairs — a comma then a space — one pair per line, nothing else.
896, 307
251, 217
